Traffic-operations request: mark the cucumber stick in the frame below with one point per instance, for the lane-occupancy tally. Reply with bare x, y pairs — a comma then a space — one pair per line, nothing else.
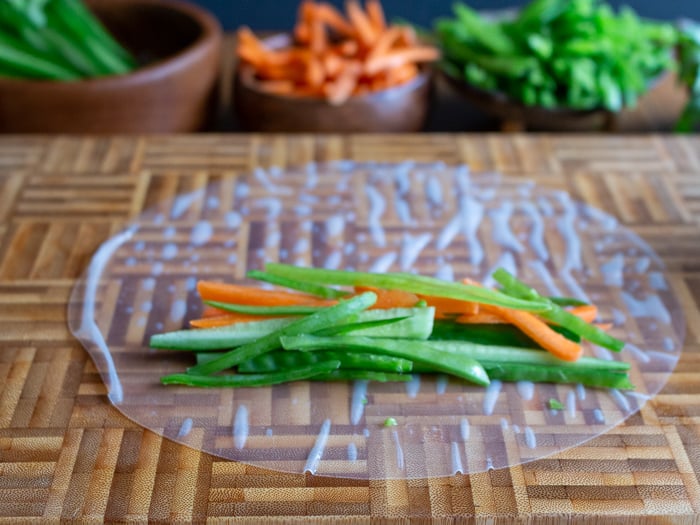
413, 323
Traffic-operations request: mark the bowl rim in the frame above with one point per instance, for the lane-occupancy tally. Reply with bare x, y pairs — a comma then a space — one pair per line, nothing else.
244, 76
211, 36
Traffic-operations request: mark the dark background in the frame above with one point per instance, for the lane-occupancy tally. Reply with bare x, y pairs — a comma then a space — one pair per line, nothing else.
280, 14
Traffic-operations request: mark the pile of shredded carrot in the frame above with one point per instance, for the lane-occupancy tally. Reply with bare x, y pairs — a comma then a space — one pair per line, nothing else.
462, 312
335, 57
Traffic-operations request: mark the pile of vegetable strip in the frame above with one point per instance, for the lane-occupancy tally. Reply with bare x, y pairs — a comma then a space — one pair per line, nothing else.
57, 40
346, 325
578, 55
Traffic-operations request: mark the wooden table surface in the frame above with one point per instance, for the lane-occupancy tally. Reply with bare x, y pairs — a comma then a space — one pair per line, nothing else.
67, 454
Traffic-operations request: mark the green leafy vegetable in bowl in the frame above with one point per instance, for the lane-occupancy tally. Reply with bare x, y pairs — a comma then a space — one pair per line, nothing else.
57, 40
689, 74
573, 54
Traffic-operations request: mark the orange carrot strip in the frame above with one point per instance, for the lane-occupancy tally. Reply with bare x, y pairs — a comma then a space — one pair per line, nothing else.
318, 42
604, 326
398, 58
334, 20
408, 37
539, 331
375, 13
302, 29
349, 48
239, 294
480, 318
365, 31
401, 74
446, 306
332, 65
390, 298
587, 312
384, 43
342, 88
314, 74
226, 319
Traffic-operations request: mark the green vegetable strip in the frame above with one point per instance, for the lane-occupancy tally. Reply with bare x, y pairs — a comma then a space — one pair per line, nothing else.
281, 360
252, 380
504, 354
30, 64
418, 352
219, 338
319, 290
364, 375
437, 356
85, 22
410, 283
556, 314
107, 56
413, 323
555, 374
491, 334
401, 323
567, 301
76, 49
310, 324
265, 310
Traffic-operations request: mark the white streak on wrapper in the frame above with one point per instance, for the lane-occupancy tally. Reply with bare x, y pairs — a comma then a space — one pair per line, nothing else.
319, 447
240, 427
88, 327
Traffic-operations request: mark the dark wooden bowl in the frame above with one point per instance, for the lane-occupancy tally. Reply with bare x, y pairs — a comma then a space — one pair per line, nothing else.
403, 108
515, 116
180, 45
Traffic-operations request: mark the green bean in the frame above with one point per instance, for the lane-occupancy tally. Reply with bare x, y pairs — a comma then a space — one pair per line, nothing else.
252, 380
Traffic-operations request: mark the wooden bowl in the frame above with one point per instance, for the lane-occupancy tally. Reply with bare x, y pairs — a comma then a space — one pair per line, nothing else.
515, 116
402, 108
180, 44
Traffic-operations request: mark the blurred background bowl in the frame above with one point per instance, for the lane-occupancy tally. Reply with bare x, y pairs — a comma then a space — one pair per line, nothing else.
515, 116
403, 108
180, 45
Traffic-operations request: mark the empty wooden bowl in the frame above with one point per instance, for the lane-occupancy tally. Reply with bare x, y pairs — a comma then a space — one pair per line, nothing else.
402, 108
180, 45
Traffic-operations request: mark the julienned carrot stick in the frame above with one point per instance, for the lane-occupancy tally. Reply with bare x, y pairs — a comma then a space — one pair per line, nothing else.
480, 318
400, 75
587, 312
239, 294
225, 320
343, 87
360, 22
375, 13
400, 57
302, 29
333, 19
446, 307
318, 42
384, 43
540, 332
408, 36
390, 298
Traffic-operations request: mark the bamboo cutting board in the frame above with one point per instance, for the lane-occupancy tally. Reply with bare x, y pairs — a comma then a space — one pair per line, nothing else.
66, 453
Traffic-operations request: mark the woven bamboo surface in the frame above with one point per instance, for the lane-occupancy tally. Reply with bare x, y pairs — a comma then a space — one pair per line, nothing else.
67, 454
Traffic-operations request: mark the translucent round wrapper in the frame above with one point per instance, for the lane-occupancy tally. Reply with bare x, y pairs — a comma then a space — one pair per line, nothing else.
432, 219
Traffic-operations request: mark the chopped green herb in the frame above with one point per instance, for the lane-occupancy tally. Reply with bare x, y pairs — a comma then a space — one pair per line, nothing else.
555, 404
